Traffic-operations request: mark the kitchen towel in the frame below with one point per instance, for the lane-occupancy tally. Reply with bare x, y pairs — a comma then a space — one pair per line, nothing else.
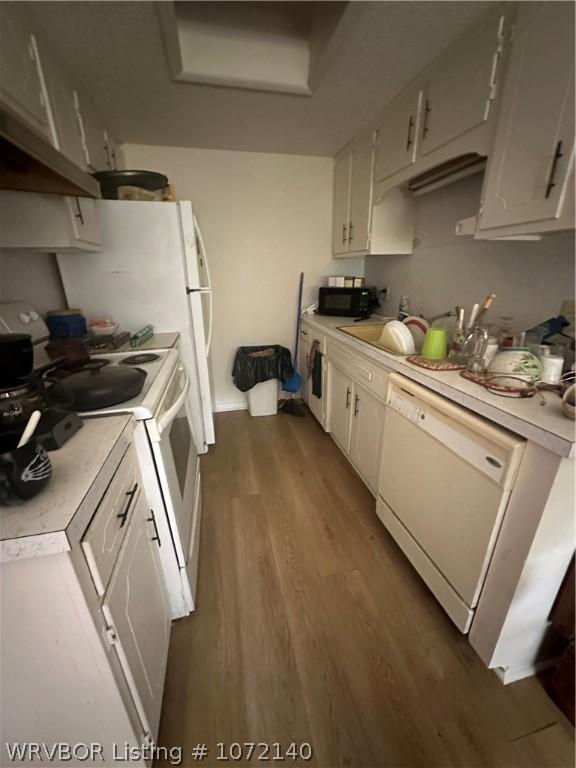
317, 374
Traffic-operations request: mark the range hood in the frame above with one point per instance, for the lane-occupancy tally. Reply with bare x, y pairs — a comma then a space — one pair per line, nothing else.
29, 163
447, 173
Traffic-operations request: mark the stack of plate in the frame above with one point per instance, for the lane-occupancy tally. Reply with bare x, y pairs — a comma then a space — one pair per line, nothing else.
417, 327
397, 339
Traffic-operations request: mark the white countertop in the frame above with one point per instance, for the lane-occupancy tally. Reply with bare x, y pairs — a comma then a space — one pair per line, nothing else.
39, 526
545, 425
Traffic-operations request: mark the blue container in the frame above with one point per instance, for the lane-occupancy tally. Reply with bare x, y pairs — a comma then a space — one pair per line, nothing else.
66, 323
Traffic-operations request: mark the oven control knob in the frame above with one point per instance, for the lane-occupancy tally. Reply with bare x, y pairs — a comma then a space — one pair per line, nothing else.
24, 317
33, 316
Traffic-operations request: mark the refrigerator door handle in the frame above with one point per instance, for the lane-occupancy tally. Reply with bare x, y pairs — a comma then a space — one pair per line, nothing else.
209, 339
203, 254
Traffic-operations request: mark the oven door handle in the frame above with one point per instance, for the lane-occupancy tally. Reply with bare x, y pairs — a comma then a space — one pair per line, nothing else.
168, 416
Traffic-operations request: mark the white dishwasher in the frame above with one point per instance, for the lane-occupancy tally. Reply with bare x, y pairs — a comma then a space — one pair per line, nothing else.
444, 483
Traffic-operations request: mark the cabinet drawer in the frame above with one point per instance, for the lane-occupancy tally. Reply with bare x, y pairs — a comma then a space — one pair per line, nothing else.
107, 529
372, 376
309, 334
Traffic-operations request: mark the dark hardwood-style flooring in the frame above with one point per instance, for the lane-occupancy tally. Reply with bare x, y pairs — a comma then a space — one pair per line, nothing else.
312, 627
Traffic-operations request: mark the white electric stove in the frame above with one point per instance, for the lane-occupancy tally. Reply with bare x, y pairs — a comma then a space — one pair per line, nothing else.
165, 443
159, 366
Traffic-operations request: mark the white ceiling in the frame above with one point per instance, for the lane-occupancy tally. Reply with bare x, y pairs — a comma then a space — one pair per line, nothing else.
115, 51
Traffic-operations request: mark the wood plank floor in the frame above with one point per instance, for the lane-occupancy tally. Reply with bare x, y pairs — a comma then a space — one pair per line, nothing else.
312, 627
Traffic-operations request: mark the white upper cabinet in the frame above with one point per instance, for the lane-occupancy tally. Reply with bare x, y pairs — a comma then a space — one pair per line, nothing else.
360, 228
361, 193
397, 136
458, 97
114, 153
36, 88
64, 127
448, 110
39, 222
93, 134
20, 77
528, 180
341, 202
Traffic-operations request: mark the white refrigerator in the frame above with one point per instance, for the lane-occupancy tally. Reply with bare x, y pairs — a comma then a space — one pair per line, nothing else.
152, 268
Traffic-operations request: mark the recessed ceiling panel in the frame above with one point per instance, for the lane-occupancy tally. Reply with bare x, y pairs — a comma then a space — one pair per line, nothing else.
268, 46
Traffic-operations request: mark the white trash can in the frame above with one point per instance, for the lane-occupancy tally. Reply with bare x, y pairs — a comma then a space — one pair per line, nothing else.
263, 398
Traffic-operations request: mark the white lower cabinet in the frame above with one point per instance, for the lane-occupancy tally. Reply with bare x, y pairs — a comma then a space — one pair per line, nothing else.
309, 339
356, 422
366, 435
137, 611
340, 388
79, 665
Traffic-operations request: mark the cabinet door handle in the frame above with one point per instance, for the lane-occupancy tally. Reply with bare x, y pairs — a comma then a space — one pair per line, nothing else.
78, 213
409, 137
123, 516
348, 393
427, 110
551, 183
350, 232
356, 405
152, 519
344, 229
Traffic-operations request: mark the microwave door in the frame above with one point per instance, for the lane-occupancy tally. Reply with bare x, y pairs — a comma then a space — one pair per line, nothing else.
340, 303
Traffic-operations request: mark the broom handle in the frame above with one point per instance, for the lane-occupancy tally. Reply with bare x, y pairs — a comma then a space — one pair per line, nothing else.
298, 312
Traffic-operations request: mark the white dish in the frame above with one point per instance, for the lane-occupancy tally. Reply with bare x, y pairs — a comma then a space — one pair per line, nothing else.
518, 362
420, 322
417, 327
396, 338
104, 329
569, 402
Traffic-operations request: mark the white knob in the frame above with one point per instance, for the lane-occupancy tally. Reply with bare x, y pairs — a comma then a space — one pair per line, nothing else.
24, 317
33, 316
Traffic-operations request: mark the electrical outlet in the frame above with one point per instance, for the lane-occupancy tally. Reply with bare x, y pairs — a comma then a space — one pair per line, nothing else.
385, 292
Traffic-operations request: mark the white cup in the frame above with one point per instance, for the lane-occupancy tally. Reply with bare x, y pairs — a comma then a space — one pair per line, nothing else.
491, 349
552, 369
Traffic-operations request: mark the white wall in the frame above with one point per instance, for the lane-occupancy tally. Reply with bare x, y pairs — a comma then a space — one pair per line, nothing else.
31, 277
265, 218
530, 279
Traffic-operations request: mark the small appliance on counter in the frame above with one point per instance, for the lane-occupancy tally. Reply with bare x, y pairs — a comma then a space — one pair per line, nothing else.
66, 322
23, 363
347, 302
56, 427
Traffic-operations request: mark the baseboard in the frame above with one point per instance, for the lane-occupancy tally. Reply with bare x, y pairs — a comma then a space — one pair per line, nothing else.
237, 406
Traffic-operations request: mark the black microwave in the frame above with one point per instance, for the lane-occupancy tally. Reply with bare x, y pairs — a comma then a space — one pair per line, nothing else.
347, 302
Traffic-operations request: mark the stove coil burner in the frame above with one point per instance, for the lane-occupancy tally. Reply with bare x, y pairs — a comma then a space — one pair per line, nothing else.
142, 359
